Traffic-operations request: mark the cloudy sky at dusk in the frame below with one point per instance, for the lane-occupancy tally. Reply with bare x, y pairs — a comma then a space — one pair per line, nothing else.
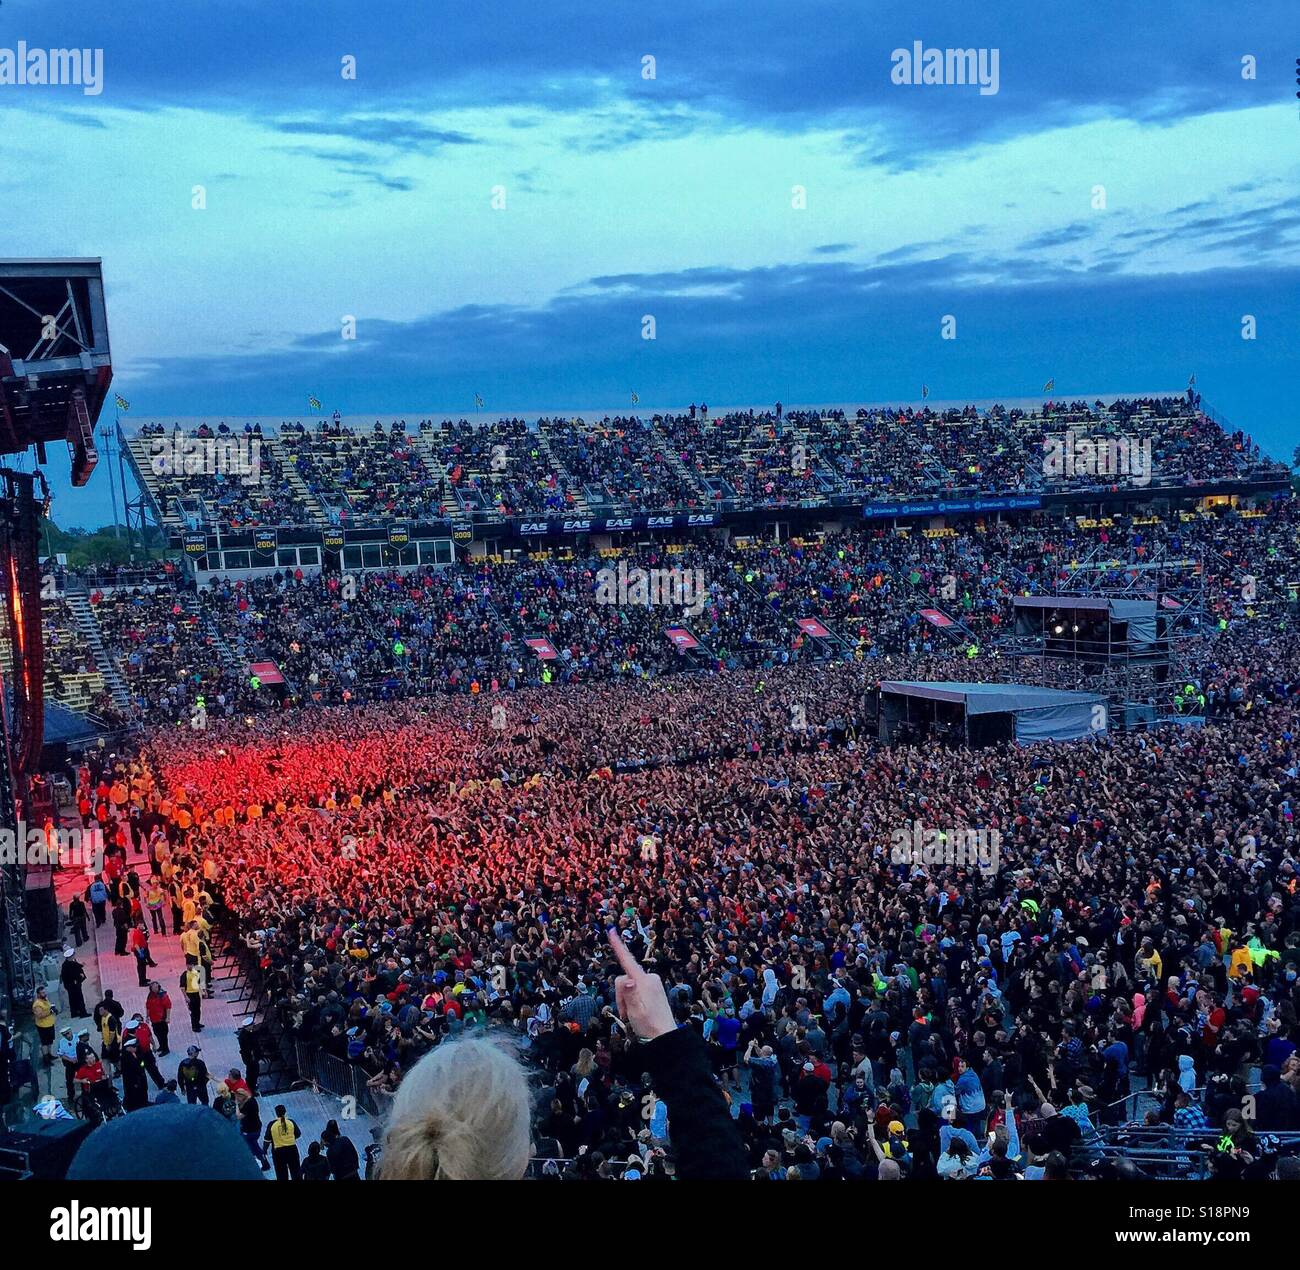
380, 197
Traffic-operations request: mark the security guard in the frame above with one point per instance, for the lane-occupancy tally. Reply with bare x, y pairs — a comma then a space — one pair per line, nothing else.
282, 1135
192, 986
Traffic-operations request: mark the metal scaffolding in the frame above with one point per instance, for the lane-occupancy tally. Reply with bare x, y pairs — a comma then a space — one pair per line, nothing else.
1140, 679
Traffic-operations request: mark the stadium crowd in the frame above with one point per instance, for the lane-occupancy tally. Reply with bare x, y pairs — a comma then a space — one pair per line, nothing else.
462, 630
685, 883
354, 474
415, 872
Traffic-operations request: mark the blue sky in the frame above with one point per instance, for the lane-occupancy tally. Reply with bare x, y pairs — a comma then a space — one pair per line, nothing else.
673, 196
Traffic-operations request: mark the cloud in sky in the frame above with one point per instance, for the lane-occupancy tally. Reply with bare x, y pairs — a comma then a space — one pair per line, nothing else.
376, 199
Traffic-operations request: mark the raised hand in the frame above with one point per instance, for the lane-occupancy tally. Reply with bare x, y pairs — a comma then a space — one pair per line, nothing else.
641, 998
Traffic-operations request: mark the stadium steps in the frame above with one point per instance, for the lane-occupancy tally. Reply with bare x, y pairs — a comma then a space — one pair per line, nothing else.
452, 506
236, 661
572, 486
923, 601
295, 481
1036, 481
137, 454
79, 606
690, 477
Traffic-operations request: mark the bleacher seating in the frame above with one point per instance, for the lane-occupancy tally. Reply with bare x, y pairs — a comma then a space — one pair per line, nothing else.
466, 470
368, 475
71, 676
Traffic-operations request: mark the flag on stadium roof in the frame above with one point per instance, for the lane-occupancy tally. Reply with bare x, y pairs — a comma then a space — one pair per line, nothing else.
1047, 387
1191, 380
312, 402
478, 401
925, 391
636, 401
121, 402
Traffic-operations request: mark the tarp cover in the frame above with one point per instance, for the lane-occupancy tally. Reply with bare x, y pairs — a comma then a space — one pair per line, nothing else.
62, 724
1041, 714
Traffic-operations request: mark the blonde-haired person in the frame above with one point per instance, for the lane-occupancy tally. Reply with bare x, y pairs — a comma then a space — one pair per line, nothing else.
463, 1112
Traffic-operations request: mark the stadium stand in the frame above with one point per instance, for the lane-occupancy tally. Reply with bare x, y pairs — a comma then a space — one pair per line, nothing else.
470, 471
420, 836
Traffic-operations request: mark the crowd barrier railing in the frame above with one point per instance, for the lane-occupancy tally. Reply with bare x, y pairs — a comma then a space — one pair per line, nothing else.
333, 1075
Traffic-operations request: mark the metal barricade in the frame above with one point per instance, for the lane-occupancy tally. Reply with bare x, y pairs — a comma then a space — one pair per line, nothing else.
329, 1074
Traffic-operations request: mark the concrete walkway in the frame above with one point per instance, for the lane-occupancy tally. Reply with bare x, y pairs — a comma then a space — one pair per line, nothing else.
221, 1016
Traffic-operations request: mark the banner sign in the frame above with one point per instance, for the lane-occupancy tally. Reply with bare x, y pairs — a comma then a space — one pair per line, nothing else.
195, 544
265, 540
936, 618
544, 649
811, 626
940, 507
332, 539
614, 524
681, 638
399, 535
267, 671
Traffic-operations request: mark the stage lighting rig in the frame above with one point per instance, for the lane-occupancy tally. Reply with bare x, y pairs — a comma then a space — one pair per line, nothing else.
55, 364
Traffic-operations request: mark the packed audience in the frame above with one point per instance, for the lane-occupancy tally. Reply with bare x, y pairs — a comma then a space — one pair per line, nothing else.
411, 874
429, 832
463, 629
624, 464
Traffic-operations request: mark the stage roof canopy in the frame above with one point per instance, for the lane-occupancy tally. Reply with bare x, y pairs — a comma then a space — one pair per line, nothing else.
990, 698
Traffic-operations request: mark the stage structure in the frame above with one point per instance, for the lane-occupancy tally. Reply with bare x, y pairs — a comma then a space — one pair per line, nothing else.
1131, 630
977, 714
55, 372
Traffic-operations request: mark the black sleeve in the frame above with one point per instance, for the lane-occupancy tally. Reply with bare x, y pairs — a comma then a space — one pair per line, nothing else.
706, 1141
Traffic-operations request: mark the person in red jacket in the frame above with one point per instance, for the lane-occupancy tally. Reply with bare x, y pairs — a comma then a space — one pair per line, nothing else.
158, 1006
137, 941
138, 1030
